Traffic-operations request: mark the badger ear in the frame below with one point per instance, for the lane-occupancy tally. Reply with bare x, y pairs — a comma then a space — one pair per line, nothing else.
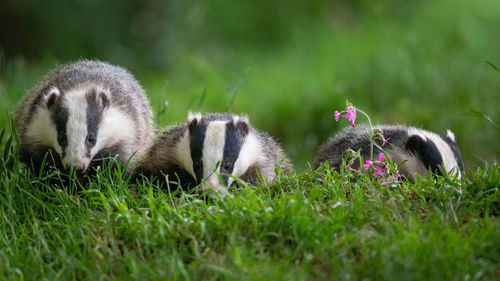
450, 135
194, 117
104, 99
243, 125
193, 120
52, 97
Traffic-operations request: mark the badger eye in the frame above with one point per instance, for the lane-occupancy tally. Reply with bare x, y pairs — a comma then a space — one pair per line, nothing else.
61, 139
91, 139
227, 166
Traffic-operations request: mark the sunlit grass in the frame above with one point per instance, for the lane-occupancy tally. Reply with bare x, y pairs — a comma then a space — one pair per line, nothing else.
348, 227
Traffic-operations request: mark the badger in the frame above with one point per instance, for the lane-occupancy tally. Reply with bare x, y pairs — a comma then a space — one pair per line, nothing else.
414, 150
211, 150
81, 113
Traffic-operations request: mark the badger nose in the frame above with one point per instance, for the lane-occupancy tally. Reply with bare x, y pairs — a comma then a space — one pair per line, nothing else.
81, 165
212, 183
77, 163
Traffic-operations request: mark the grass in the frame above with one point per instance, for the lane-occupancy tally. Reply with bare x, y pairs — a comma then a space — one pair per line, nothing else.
424, 65
347, 228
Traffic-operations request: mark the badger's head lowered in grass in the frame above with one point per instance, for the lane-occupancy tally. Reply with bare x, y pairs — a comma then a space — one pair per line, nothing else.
212, 149
414, 150
82, 112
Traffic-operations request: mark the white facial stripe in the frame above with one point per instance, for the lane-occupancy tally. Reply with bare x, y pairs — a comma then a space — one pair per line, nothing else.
183, 153
76, 129
449, 161
213, 146
43, 130
115, 127
414, 131
249, 154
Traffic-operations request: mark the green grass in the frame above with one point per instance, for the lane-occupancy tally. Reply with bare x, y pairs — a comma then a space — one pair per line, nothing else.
422, 64
347, 228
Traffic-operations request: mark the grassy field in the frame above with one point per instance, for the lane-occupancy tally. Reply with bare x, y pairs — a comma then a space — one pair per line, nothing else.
421, 64
347, 228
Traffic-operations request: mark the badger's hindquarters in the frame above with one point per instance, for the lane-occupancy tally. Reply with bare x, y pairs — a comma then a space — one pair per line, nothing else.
83, 113
414, 150
210, 150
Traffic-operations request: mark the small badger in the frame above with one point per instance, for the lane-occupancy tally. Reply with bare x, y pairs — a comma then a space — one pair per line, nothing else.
190, 153
421, 149
82, 112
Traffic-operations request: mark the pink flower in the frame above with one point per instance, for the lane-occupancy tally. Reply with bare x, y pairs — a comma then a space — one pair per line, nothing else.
398, 176
379, 172
368, 163
385, 141
336, 115
381, 157
350, 114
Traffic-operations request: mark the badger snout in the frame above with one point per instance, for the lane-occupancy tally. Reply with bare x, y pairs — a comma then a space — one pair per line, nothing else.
79, 165
76, 161
213, 183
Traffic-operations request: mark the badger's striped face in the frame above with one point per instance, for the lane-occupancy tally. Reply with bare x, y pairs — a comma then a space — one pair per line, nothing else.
436, 152
220, 148
77, 124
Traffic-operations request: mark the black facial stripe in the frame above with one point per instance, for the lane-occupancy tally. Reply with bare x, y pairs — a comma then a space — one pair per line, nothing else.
458, 156
59, 116
432, 157
426, 151
197, 138
94, 116
232, 147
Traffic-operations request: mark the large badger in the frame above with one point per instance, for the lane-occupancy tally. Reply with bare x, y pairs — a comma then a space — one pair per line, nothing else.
83, 112
414, 150
214, 145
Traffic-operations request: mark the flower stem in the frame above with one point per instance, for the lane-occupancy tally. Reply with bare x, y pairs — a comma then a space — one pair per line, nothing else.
371, 136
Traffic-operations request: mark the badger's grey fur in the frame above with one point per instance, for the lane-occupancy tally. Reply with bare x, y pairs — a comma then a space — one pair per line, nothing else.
191, 153
420, 150
82, 112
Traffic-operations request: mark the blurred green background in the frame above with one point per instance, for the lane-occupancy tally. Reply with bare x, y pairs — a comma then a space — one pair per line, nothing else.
287, 64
